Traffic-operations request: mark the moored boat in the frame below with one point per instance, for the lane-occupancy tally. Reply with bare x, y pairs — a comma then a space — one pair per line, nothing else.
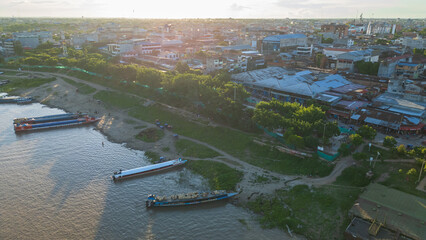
187, 199
147, 169
50, 118
15, 99
29, 126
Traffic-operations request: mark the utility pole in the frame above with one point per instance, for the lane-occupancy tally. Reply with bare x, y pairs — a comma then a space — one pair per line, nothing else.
235, 92
323, 135
421, 170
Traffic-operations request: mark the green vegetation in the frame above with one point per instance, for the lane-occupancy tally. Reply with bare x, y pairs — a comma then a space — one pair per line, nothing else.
119, 100
402, 177
152, 156
20, 83
165, 149
354, 176
317, 213
369, 68
182, 88
327, 40
384, 154
219, 175
81, 87
356, 139
243, 221
129, 121
389, 142
297, 120
367, 132
261, 179
274, 160
231, 141
190, 149
150, 135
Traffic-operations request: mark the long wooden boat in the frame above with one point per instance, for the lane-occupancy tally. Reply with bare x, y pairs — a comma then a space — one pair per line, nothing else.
79, 121
147, 169
50, 118
16, 99
187, 199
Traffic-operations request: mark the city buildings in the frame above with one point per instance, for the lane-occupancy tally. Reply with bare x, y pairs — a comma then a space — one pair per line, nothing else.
340, 30
273, 44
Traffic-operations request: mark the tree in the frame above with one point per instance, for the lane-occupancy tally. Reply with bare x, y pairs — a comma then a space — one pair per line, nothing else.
389, 142
327, 40
296, 140
182, 67
382, 41
411, 174
367, 132
17, 46
344, 150
367, 67
356, 139
401, 150
311, 142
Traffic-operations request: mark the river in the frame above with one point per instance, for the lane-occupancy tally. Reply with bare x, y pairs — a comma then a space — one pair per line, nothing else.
56, 184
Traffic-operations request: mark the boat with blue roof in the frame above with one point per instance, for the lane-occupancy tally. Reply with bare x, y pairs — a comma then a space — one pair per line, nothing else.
122, 174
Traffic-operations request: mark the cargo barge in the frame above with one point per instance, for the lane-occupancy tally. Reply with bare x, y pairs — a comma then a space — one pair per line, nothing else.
187, 199
49, 118
28, 126
147, 169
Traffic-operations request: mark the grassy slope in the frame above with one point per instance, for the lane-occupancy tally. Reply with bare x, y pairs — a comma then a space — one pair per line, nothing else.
19, 83
219, 175
190, 149
82, 88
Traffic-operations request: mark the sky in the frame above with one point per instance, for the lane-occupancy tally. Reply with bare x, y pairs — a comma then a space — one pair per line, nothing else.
214, 8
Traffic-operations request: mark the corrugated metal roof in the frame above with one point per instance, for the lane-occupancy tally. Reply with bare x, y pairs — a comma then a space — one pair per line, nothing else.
396, 209
277, 38
407, 64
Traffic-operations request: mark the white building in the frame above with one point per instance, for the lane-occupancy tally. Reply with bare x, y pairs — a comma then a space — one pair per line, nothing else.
120, 48
169, 55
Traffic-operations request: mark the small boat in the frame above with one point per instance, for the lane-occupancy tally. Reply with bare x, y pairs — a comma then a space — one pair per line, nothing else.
28, 126
147, 169
50, 118
15, 99
187, 199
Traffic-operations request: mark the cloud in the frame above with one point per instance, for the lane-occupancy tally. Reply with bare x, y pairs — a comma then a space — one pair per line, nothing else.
236, 7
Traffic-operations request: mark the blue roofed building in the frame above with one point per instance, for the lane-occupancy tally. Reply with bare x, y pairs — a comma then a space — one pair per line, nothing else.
272, 44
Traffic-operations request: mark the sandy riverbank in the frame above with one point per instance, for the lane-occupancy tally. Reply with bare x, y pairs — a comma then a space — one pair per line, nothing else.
116, 124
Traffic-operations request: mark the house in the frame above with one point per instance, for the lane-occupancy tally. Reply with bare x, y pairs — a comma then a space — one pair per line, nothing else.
382, 209
387, 67
334, 52
346, 61
31, 40
409, 70
341, 30
120, 48
273, 44
169, 55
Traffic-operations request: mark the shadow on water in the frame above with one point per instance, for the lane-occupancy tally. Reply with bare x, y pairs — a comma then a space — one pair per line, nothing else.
64, 175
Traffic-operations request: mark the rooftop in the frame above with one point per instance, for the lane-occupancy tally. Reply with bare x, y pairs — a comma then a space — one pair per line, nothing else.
396, 209
355, 55
277, 38
408, 64
396, 103
304, 83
